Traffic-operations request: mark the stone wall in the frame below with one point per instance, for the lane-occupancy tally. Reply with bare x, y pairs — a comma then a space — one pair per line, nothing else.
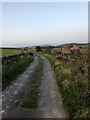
11, 58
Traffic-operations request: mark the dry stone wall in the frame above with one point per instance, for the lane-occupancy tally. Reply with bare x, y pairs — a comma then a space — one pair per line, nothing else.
11, 58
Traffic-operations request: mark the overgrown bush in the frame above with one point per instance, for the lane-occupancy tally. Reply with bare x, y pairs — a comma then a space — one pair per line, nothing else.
38, 48
72, 78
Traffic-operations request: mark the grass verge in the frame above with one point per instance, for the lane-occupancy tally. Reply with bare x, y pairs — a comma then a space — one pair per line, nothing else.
12, 70
72, 79
31, 98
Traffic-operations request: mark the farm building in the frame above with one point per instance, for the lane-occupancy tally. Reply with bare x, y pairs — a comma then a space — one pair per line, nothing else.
75, 50
65, 49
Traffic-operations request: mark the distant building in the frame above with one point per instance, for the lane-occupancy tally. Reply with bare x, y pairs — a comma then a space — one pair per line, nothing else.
75, 50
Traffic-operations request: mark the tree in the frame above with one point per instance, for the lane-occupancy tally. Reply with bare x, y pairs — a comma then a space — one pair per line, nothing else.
38, 48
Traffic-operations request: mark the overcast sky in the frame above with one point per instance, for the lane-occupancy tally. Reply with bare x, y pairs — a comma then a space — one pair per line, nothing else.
27, 24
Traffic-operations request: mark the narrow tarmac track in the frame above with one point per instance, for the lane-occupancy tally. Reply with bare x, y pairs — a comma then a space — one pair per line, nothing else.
50, 101
12, 95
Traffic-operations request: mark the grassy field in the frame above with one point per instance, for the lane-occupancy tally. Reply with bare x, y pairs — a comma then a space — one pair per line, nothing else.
9, 51
72, 79
12, 70
0, 52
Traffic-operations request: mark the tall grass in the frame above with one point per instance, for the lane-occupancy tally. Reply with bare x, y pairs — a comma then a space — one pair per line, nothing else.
12, 70
72, 78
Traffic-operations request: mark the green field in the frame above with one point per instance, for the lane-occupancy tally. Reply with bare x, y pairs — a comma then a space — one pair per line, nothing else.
9, 51
0, 52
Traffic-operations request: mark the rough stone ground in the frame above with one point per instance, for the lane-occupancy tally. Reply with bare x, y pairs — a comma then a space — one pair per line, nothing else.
50, 101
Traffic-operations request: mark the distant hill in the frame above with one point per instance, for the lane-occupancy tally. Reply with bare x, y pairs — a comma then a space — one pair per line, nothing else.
9, 48
68, 44
71, 44
50, 46
47, 46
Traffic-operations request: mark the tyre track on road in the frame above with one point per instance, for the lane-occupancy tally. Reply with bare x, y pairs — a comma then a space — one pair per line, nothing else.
50, 101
